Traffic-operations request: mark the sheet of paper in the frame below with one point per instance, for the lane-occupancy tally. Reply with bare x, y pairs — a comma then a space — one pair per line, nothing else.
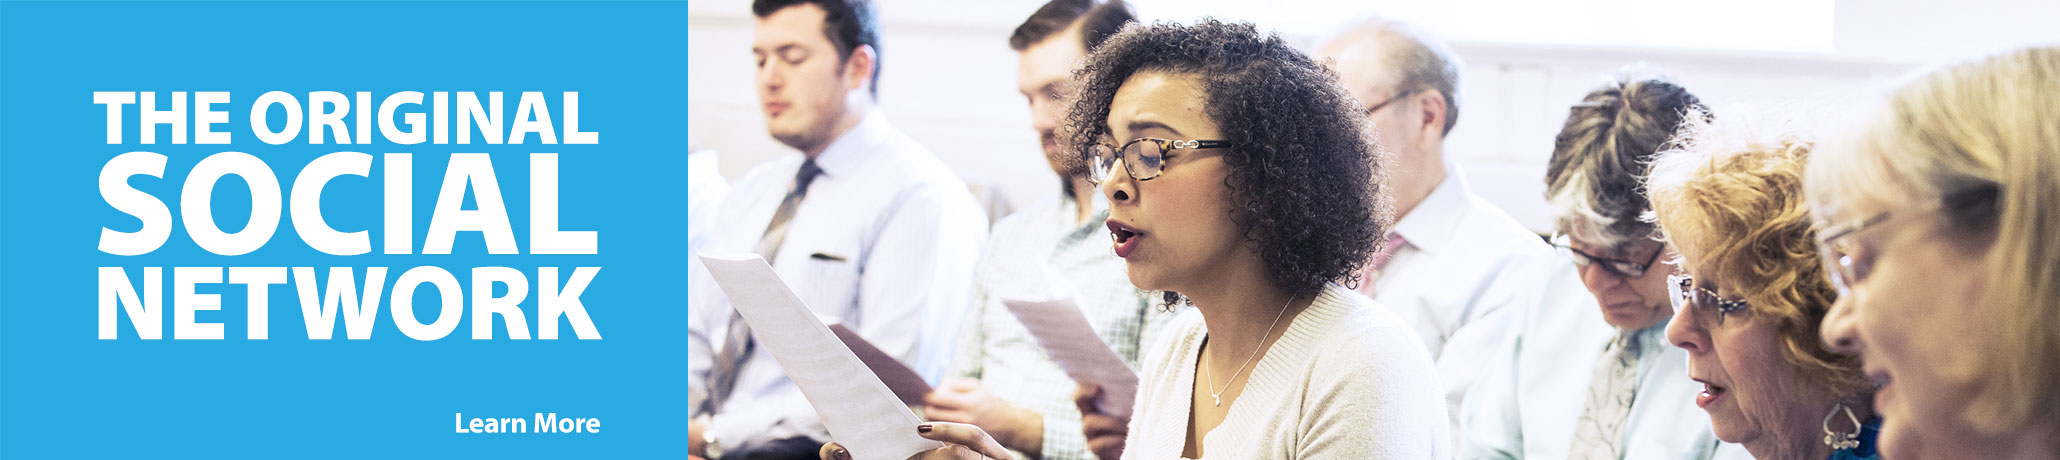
1072, 343
906, 384
861, 413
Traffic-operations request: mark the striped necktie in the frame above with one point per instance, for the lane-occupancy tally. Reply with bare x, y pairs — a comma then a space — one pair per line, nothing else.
737, 344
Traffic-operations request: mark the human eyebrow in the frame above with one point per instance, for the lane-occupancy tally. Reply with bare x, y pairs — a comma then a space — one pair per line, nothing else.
1050, 90
1141, 125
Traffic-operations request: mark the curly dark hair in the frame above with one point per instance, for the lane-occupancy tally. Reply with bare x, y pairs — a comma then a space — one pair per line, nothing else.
1306, 176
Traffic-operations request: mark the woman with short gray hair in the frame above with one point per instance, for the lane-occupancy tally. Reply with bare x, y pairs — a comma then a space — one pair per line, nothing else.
1536, 400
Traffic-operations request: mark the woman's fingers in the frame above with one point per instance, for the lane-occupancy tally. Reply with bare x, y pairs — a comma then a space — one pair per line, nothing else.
964, 435
1084, 398
832, 451
1106, 447
1103, 425
1105, 434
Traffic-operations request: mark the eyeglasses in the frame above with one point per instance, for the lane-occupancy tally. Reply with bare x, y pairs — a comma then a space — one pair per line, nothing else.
1701, 299
1837, 253
1144, 157
1398, 96
1619, 267
1837, 250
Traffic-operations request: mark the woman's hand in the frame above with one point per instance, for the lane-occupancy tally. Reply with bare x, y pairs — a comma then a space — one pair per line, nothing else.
1105, 433
963, 442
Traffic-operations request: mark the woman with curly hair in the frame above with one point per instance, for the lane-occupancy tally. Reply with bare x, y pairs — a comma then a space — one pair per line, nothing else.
1241, 180
1752, 295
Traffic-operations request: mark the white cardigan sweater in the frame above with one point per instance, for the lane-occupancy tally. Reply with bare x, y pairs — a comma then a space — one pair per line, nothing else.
1347, 380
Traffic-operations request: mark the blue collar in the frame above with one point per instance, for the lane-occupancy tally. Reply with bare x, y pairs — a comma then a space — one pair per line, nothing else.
1867, 450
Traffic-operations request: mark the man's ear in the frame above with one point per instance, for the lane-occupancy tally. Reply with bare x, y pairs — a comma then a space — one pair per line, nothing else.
858, 69
1431, 112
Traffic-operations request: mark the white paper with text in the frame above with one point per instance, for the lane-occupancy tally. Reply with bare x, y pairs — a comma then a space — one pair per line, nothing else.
861, 413
1066, 335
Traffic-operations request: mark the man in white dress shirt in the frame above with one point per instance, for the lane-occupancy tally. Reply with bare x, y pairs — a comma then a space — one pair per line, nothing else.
705, 191
1454, 266
1002, 380
868, 227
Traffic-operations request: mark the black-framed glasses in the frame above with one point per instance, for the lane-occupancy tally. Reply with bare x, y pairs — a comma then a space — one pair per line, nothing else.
1144, 158
1383, 104
1703, 300
1619, 267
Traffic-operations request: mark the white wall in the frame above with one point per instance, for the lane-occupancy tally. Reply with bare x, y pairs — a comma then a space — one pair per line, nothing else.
949, 81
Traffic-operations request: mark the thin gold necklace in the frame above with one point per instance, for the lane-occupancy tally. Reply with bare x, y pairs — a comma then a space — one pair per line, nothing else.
1218, 394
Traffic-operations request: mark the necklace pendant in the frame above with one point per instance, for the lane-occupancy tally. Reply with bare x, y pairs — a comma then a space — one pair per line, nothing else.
1219, 400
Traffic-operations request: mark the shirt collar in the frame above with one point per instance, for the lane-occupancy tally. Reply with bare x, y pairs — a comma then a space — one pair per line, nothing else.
851, 149
1100, 201
1096, 218
1432, 224
1650, 337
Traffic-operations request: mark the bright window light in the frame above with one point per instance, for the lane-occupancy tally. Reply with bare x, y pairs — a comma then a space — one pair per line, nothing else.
1794, 26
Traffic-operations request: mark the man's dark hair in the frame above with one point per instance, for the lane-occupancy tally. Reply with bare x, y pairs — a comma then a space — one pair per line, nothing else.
1307, 183
847, 23
1098, 20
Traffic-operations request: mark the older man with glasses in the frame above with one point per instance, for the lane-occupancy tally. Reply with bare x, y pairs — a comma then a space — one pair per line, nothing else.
1453, 266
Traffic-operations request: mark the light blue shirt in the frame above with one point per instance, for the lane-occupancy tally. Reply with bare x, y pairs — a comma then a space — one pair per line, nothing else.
705, 191
884, 242
1526, 403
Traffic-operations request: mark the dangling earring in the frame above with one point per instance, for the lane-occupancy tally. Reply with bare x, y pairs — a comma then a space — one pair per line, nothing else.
1837, 440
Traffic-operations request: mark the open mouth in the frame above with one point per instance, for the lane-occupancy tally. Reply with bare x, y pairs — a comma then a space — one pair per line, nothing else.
1710, 394
1126, 238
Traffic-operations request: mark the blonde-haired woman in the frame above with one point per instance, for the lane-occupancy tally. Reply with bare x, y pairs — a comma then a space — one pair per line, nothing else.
1752, 295
1939, 216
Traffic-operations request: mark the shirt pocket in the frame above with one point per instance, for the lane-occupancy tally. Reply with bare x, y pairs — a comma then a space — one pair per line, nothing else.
831, 286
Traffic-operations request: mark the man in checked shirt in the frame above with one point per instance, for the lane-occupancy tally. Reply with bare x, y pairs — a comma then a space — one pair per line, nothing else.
1001, 380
